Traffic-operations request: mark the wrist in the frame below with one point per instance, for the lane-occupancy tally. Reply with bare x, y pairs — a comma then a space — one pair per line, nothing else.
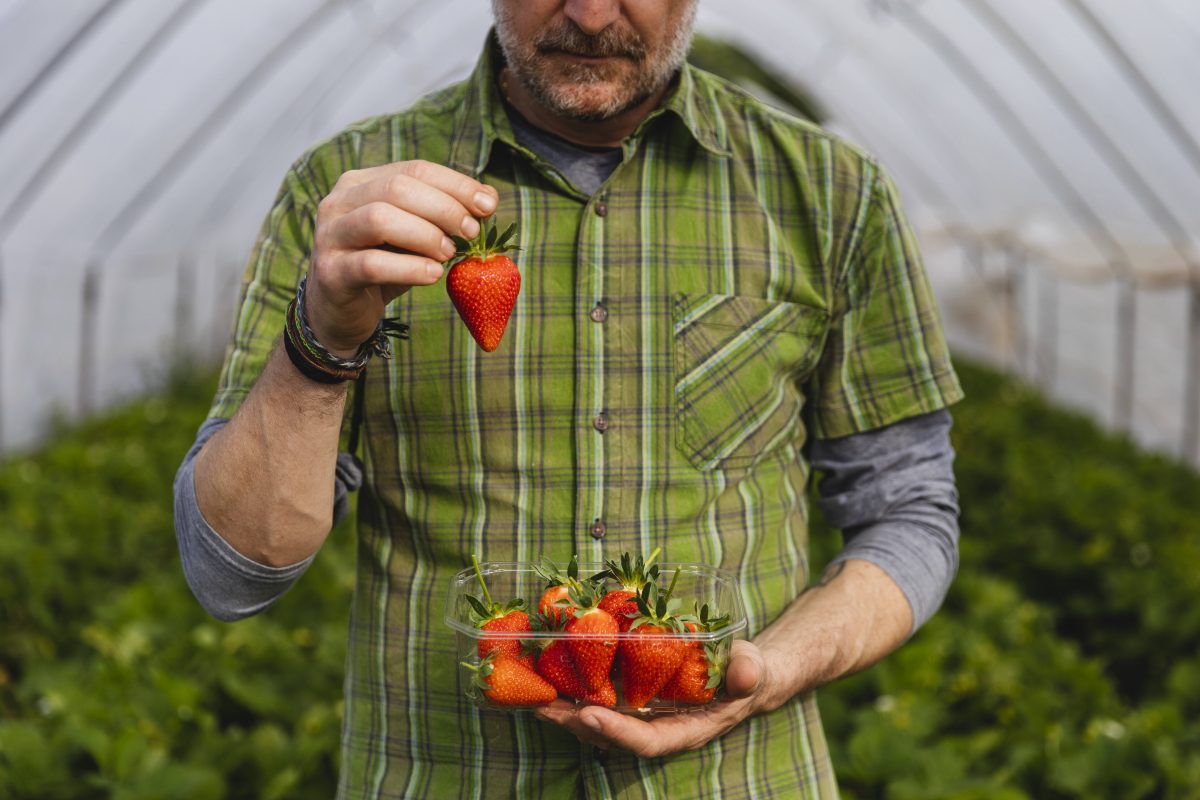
774, 692
338, 346
786, 675
315, 361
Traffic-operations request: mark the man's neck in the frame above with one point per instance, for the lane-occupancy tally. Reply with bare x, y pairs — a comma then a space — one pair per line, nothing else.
605, 133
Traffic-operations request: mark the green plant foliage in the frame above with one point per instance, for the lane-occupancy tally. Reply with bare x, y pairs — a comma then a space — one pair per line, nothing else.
1064, 662
113, 682
1063, 665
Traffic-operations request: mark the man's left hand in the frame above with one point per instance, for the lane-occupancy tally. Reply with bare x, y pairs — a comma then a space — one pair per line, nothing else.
748, 691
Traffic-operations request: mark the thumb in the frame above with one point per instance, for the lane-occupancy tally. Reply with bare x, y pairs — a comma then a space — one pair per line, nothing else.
746, 672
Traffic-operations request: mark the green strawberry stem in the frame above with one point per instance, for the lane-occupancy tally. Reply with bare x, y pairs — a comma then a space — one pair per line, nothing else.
478, 574
667, 597
653, 555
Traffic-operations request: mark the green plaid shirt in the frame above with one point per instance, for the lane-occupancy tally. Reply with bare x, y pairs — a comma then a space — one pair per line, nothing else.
743, 281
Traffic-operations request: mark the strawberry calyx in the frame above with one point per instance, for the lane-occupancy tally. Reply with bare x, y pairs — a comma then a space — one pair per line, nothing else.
585, 597
709, 619
488, 610
554, 575
544, 623
629, 574
480, 673
655, 608
487, 243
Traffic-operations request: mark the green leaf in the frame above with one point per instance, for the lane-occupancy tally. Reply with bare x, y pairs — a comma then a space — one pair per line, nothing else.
507, 236
478, 607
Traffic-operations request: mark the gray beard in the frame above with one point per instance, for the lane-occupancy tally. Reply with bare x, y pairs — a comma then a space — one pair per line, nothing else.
653, 73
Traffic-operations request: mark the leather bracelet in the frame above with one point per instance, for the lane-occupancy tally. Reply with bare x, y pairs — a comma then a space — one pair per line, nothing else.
314, 361
308, 369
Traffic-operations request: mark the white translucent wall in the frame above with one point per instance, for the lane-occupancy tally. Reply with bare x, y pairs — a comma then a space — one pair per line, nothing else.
1048, 150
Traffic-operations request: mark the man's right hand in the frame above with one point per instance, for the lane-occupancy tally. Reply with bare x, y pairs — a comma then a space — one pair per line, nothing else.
380, 231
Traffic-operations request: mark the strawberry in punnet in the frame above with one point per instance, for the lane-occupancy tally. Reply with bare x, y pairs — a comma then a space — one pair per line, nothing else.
632, 576
508, 681
497, 618
592, 637
703, 667
557, 666
651, 652
555, 601
484, 282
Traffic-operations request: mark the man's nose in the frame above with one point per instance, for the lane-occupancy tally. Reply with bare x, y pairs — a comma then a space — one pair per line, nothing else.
593, 16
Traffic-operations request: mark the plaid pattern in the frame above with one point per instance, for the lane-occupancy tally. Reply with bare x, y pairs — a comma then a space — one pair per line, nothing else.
761, 287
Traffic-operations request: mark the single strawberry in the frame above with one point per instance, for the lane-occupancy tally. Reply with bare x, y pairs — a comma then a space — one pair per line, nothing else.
651, 652
506, 680
556, 601
703, 667
557, 666
592, 637
484, 283
631, 576
498, 618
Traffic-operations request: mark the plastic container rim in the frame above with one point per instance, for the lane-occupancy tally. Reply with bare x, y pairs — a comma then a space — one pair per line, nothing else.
737, 623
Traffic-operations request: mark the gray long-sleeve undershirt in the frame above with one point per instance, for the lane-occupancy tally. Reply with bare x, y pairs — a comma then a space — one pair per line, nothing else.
890, 490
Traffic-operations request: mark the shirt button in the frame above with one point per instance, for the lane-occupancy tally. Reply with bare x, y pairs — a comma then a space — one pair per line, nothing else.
599, 313
601, 208
600, 422
598, 530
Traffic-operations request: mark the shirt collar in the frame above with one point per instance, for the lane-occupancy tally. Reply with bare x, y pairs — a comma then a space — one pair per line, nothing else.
482, 120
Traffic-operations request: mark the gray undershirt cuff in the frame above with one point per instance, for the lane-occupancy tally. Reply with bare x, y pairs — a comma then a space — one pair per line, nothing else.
892, 493
227, 584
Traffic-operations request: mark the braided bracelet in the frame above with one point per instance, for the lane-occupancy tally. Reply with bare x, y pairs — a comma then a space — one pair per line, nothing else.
315, 362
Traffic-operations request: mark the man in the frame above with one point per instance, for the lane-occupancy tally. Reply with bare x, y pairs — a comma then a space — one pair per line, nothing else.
715, 296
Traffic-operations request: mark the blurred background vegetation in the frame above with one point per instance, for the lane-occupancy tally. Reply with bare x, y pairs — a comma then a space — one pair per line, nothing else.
1063, 665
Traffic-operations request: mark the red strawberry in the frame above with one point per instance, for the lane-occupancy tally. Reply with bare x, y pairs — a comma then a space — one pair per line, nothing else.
652, 653
632, 576
507, 681
703, 667
497, 618
592, 637
557, 667
484, 283
555, 601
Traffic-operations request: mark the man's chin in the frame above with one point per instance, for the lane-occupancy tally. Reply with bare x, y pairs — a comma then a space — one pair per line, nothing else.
593, 103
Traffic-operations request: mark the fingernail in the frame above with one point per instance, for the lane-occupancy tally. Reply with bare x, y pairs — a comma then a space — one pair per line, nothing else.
592, 723
470, 227
485, 202
433, 270
448, 248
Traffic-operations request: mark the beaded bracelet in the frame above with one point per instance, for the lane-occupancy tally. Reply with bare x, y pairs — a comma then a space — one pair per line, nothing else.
315, 362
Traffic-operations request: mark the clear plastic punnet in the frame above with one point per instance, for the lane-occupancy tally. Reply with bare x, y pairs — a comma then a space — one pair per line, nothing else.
671, 659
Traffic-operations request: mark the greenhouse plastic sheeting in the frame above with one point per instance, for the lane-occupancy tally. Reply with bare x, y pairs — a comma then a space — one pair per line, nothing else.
142, 140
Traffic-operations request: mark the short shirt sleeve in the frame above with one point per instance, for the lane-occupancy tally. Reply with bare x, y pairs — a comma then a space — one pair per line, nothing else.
277, 263
885, 358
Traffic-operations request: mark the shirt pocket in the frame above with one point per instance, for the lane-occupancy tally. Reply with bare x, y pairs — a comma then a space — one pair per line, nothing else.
739, 362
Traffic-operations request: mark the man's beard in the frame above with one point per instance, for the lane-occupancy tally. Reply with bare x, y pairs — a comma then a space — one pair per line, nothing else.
592, 92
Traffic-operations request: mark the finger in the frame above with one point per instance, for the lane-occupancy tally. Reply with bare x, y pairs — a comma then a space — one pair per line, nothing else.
381, 223
644, 739
479, 199
745, 672
372, 267
565, 714
416, 197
